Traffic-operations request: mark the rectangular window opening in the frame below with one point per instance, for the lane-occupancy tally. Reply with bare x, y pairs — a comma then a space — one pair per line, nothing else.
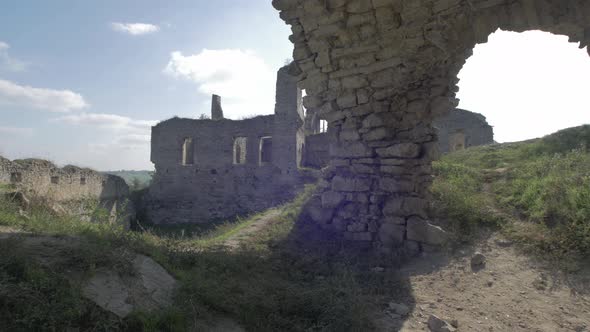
82, 181
240, 150
188, 152
55, 179
265, 150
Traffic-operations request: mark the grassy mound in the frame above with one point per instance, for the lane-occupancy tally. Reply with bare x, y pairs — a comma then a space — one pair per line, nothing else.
545, 182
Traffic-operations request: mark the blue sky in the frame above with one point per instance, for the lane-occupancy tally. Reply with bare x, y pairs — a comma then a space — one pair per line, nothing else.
82, 81
119, 83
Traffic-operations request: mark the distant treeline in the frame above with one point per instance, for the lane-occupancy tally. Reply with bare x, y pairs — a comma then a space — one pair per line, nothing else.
135, 179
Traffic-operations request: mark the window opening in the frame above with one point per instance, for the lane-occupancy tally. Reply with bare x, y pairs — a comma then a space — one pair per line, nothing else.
240, 150
188, 154
265, 150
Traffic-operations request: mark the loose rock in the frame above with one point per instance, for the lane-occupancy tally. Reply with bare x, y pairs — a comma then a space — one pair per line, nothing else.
400, 309
436, 324
478, 260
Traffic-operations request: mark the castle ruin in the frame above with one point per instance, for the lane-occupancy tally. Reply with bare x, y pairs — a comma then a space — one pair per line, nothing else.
217, 168
211, 169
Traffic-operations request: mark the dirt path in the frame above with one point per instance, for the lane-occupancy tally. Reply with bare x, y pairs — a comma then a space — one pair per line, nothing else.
510, 293
243, 234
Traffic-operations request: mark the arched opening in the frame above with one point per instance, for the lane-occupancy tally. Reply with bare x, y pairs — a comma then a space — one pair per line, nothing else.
381, 88
532, 88
526, 85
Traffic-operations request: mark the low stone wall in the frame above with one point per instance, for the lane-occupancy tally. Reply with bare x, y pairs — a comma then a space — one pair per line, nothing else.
70, 189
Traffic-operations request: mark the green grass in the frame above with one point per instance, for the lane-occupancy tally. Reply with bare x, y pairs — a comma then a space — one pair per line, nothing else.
543, 182
268, 284
35, 298
459, 200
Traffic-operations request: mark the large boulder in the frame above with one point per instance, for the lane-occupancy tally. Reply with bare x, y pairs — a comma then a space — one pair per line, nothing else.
148, 288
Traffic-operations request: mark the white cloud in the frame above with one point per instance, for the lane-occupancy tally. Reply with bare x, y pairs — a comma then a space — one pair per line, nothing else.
16, 131
244, 81
135, 29
134, 139
527, 84
126, 138
108, 121
12, 94
8, 63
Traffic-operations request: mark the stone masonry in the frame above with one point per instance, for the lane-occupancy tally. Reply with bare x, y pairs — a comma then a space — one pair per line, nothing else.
380, 72
461, 129
217, 168
68, 190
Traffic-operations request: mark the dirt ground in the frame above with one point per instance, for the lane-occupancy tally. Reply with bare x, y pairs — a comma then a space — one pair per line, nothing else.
511, 292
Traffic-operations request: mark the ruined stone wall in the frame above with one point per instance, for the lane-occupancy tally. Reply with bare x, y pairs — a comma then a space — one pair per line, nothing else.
216, 110
213, 187
381, 71
70, 189
461, 129
237, 167
42, 178
288, 132
317, 152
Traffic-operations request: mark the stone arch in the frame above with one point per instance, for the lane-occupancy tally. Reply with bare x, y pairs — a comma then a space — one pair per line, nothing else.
380, 71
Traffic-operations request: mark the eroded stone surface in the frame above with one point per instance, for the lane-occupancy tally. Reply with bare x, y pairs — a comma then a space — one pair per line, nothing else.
380, 71
149, 288
108, 291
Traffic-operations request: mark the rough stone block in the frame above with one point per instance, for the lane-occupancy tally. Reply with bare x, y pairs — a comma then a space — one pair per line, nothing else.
403, 150
392, 235
421, 230
353, 150
393, 185
405, 206
340, 183
331, 199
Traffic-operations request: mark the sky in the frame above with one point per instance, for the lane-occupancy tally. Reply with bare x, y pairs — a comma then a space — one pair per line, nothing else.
82, 82
527, 84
